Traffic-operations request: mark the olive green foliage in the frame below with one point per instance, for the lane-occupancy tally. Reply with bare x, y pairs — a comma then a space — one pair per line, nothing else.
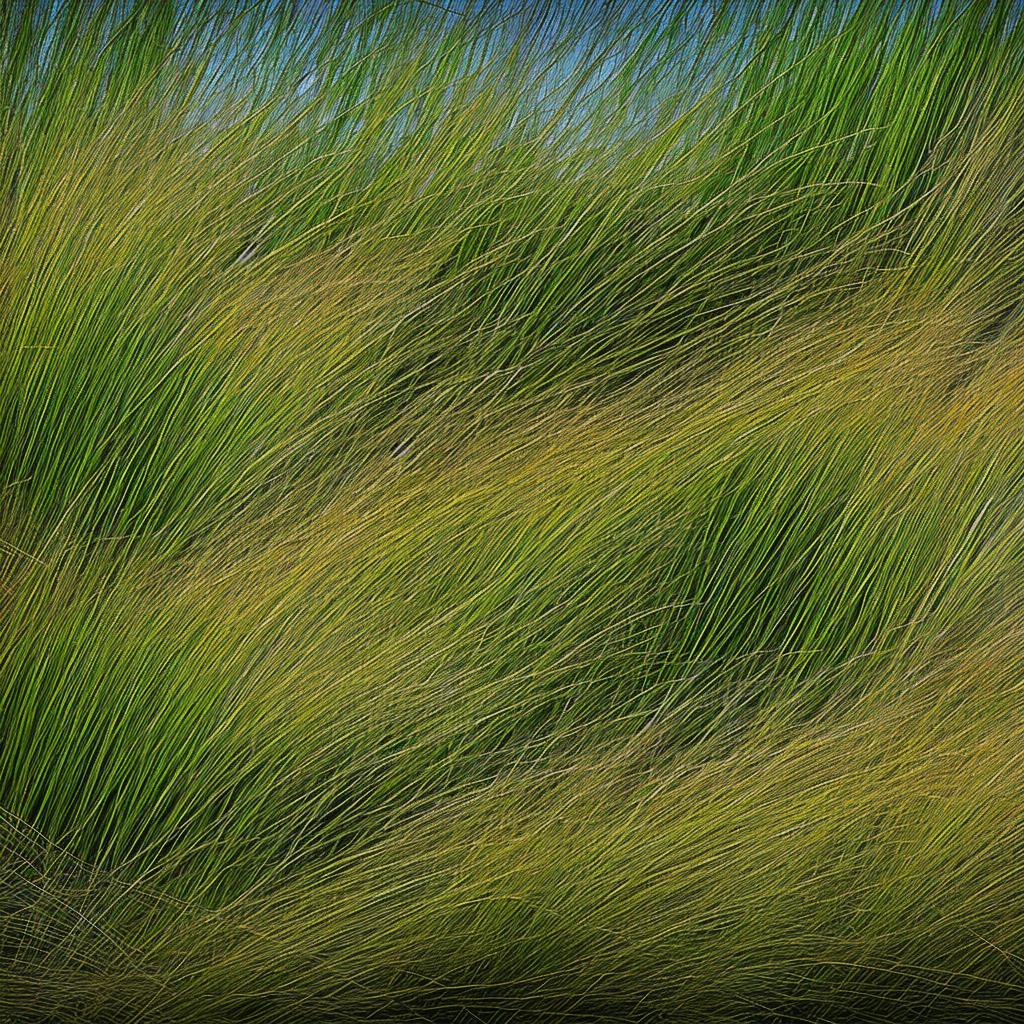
511, 512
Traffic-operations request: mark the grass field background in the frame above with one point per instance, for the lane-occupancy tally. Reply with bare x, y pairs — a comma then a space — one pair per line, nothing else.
511, 512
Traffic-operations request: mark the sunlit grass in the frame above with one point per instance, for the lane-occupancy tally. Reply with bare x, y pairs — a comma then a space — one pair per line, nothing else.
511, 512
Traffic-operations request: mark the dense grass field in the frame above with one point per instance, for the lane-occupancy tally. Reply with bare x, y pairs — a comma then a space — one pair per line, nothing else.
511, 512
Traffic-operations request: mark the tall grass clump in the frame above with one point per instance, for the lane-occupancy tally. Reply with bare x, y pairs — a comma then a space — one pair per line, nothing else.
511, 511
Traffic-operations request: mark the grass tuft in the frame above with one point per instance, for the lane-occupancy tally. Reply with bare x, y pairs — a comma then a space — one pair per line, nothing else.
511, 511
